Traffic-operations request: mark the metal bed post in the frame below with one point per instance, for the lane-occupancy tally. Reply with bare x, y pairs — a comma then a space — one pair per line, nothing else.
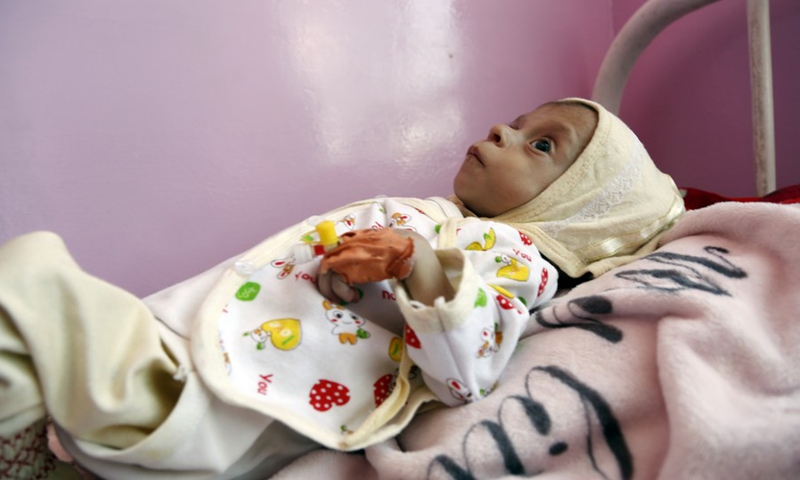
761, 88
655, 15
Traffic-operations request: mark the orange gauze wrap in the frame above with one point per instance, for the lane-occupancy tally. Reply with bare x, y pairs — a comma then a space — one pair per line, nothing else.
369, 256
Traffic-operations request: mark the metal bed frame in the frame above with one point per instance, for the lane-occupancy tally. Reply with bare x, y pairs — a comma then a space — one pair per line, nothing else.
649, 21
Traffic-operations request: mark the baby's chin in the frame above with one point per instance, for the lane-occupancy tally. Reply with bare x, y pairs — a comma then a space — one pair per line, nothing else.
469, 207
459, 201
474, 205
456, 199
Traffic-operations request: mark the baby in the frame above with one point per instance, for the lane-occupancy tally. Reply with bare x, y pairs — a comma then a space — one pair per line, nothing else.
247, 366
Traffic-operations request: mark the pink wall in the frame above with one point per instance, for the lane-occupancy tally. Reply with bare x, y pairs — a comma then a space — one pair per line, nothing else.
159, 138
688, 97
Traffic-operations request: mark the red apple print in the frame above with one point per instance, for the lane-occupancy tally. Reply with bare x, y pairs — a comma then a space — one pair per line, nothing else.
383, 388
525, 239
411, 338
325, 394
543, 283
504, 302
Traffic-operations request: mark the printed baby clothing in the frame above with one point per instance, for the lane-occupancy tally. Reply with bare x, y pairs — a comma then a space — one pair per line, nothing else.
246, 367
351, 375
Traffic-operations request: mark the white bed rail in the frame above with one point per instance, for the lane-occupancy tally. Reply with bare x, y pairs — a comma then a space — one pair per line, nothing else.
649, 21
761, 88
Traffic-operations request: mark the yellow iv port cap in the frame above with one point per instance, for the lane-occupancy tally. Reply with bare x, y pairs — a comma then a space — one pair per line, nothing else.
327, 233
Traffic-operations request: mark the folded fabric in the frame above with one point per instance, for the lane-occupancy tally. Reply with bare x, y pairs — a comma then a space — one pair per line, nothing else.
695, 198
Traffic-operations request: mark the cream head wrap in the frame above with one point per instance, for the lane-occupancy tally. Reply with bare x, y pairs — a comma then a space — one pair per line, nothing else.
609, 208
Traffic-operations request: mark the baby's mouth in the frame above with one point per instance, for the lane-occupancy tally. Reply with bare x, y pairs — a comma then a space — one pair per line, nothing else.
473, 150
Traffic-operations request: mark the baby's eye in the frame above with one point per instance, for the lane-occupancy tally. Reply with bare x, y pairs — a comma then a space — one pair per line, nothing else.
543, 145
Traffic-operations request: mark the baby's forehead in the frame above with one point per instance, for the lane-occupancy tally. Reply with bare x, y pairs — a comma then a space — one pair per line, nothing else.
558, 118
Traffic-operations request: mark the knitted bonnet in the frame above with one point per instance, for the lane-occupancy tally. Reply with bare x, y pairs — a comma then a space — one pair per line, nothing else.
609, 208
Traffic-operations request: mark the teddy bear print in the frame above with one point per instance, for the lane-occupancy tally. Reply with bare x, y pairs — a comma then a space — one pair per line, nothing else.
491, 338
347, 326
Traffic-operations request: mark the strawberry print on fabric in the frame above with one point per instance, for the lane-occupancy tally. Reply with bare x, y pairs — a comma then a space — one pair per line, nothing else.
411, 338
326, 393
382, 388
543, 282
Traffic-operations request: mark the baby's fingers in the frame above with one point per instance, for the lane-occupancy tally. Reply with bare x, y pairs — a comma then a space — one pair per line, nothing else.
332, 287
344, 291
324, 286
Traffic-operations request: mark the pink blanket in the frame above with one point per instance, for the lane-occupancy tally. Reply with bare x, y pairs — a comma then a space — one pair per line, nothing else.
684, 364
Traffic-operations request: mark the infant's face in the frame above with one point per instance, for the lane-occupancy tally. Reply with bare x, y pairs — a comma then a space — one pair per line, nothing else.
516, 162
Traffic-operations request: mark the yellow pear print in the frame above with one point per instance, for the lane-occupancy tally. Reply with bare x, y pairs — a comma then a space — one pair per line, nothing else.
284, 333
489, 238
512, 269
396, 349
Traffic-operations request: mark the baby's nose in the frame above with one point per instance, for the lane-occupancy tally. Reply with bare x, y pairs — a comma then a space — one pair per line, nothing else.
498, 135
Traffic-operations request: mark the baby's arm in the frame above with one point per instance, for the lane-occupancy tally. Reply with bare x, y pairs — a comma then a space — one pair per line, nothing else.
460, 334
374, 255
427, 280
463, 345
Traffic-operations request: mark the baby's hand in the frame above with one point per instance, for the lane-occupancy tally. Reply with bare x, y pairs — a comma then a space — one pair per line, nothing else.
332, 287
364, 256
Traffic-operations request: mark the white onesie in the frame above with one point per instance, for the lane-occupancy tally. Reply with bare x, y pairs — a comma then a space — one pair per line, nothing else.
348, 376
